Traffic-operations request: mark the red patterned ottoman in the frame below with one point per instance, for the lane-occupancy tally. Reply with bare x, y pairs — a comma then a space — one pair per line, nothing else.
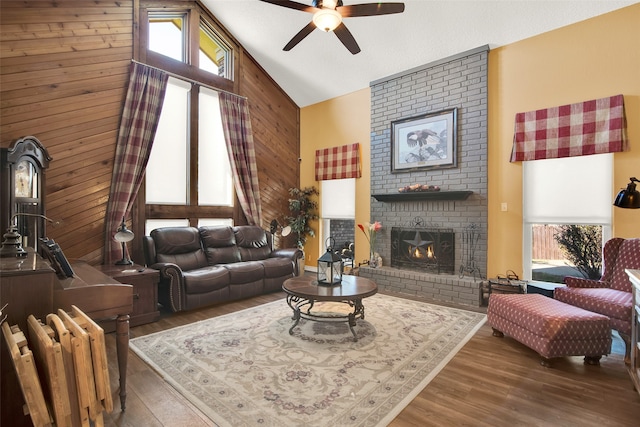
551, 328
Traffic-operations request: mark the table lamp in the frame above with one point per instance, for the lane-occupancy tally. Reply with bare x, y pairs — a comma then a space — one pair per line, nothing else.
123, 236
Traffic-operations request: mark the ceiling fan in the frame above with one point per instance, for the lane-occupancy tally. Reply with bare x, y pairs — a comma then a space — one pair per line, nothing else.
328, 14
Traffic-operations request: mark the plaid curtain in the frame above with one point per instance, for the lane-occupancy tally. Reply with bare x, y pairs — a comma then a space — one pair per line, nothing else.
590, 127
238, 135
338, 162
138, 125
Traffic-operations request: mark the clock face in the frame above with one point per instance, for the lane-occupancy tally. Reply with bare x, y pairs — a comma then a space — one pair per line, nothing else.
25, 177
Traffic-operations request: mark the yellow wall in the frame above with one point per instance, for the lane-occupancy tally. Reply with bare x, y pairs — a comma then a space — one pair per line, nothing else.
591, 59
339, 121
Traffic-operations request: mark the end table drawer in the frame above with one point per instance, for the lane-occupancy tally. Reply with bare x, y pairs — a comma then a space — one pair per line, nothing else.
145, 295
145, 290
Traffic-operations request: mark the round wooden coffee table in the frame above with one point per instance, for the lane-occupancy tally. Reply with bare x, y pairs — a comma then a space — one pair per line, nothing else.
303, 292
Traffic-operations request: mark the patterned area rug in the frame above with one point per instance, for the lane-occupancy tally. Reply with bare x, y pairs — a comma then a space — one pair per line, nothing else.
244, 369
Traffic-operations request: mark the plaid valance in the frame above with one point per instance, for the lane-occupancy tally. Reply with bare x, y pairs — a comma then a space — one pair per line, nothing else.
338, 162
590, 127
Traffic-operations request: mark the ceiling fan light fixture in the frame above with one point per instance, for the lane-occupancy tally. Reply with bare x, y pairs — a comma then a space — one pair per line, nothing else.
327, 19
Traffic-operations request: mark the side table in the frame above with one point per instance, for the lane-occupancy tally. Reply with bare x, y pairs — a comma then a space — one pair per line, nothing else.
544, 288
634, 365
145, 290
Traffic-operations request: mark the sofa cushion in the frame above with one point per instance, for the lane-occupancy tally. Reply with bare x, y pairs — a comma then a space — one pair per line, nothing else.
219, 244
180, 246
244, 272
277, 267
205, 279
252, 242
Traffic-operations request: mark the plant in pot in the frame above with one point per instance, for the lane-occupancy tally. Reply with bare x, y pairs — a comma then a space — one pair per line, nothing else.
303, 210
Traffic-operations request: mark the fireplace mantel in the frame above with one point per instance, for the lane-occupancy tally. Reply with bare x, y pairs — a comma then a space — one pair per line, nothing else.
423, 195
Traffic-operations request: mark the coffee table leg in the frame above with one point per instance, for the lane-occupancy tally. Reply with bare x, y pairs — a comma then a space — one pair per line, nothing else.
295, 318
352, 323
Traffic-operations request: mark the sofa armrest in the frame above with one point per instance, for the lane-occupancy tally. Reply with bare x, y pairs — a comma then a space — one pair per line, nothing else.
294, 254
579, 282
172, 278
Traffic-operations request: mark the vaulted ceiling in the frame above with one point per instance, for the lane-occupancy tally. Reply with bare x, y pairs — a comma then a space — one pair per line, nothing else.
320, 68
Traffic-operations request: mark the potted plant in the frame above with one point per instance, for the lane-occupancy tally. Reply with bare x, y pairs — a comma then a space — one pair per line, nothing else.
303, 210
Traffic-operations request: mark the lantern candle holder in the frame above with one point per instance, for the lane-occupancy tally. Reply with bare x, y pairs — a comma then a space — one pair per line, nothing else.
330, 267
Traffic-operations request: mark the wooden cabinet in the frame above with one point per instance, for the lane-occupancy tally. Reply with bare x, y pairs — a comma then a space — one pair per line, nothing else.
634, 366
26, 286
145, 290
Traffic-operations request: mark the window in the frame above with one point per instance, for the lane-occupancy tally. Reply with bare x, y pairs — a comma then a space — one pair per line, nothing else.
215, 185
188, 178
168, 185
338, 212
169, 34
215, 55
166, 35
565, 191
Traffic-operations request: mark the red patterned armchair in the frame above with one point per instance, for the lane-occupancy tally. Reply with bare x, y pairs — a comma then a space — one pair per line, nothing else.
611, 295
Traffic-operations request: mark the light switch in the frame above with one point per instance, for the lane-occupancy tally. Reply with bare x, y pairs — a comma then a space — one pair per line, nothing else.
503, 206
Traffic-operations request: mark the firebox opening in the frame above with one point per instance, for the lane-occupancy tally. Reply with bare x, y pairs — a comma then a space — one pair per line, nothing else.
430, 250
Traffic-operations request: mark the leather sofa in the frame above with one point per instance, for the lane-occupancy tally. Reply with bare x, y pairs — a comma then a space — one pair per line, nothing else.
611, 295
208, 265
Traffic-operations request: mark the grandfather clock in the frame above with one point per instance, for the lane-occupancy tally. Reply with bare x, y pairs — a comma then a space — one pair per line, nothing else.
22, 189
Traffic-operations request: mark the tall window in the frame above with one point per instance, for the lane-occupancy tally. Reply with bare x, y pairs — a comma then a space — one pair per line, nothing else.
564, 191
188, 179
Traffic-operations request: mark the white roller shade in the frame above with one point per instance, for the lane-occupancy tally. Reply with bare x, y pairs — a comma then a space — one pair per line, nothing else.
338, 198
575, 190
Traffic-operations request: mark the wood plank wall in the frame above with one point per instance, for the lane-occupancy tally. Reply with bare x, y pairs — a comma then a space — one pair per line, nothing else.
275, 121
63, 76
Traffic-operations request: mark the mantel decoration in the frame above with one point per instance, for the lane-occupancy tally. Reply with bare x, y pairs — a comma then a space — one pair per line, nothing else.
371, 232
418, 187
424, 142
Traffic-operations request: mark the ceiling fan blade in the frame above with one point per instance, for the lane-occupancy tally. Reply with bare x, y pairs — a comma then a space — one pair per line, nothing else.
301, 35
346, 38
370, 9
293, 5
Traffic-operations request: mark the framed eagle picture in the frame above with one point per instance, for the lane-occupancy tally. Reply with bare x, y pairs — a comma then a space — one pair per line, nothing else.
424, 142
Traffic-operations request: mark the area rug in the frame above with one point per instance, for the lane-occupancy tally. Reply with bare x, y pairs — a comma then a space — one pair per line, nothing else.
245, 369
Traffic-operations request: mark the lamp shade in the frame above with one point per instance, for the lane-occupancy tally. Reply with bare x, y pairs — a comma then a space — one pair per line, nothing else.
628, 198
327, 19
124, 236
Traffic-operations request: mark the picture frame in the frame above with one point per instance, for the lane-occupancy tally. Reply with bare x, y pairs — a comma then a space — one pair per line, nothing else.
424, 142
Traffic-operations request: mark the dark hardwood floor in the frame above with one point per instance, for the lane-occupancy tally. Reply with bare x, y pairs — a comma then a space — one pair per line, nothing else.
490, 382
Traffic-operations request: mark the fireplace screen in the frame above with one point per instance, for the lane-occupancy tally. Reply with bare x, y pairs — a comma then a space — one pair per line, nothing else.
429, 250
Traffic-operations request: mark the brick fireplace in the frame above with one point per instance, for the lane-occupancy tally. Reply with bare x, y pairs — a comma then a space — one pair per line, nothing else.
459, 208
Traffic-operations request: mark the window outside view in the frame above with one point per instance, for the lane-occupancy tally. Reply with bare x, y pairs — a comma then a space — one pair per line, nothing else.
566, 250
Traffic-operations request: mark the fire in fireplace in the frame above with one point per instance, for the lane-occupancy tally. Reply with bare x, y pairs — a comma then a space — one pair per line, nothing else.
430, 250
